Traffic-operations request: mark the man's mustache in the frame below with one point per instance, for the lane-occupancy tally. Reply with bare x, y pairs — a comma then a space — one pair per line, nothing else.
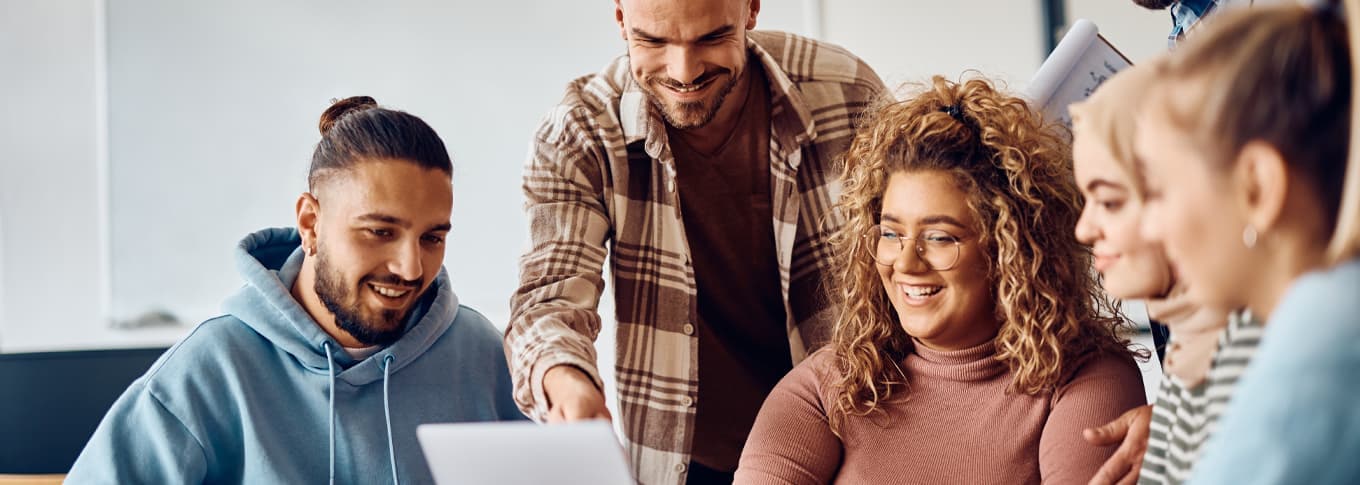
706, 77
393, 280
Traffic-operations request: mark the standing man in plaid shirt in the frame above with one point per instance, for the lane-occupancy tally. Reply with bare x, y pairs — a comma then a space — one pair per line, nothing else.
703, 167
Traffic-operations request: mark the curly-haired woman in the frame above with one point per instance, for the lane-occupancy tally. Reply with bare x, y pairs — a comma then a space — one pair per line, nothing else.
974, 343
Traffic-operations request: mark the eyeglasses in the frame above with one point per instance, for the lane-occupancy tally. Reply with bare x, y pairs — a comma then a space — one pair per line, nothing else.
939, 249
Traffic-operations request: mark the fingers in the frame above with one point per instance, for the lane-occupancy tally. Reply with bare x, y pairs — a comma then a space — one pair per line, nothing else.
1109, 433
1130, 430
1130, 478
1137, 419
1140, 426
581, 410
1128, 459
1114, 471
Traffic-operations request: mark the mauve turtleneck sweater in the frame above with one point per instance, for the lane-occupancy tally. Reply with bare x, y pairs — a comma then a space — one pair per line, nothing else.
957, 424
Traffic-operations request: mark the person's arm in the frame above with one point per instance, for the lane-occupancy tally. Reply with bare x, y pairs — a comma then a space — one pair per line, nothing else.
791, 441
554, 318
140, 441
1102, 390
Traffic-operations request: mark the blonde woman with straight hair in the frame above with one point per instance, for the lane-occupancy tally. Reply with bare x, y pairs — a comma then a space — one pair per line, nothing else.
1245, 144
1208, 350
971, 346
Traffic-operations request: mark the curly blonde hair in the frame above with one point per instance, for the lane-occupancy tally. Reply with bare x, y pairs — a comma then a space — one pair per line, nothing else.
1018, 174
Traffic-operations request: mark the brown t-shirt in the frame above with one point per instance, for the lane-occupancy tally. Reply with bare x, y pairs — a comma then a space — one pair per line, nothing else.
958, 423
743, 346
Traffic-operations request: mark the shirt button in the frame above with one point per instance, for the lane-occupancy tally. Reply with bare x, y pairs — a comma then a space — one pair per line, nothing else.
680, 467
687, 401
688, 329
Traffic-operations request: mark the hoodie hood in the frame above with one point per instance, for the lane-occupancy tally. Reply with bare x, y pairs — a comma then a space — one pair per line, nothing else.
270, 260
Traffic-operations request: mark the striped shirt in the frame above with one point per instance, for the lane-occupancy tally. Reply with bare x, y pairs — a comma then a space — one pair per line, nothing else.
1184, 418
600, 186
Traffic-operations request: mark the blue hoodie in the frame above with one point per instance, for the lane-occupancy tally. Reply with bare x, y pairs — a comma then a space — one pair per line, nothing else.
263, 395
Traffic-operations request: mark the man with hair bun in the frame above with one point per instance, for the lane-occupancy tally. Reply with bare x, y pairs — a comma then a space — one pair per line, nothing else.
344, 338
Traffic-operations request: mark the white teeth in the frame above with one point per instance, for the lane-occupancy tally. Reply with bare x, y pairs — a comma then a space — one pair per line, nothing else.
689, 89
921, 291
388, 292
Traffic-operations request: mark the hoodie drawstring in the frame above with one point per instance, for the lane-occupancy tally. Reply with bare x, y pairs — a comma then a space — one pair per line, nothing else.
387, 411
330, 370
387, 414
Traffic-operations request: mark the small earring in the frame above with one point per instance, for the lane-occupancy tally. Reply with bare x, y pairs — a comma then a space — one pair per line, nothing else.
1249, 237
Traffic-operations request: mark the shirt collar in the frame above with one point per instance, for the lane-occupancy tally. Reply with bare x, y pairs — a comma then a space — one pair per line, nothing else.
1185, 14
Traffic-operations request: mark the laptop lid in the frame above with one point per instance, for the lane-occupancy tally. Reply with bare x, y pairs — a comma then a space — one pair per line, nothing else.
526, 453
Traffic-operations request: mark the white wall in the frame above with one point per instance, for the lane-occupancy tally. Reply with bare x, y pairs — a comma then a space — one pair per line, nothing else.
50, 187
1137, 32
908, 41
214, 108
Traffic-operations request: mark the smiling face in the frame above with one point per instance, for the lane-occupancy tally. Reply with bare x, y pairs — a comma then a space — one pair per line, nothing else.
1132, 266
687, 54
380, 228
943, 309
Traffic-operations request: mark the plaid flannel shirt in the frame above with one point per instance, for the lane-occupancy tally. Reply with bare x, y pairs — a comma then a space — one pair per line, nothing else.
1187, 14
600, 186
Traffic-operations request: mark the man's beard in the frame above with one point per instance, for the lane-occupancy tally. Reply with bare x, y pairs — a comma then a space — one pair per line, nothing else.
690, 114
382, 329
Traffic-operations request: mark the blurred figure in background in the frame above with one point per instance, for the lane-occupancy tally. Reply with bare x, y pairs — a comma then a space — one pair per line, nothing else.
1207, 353
1244, 143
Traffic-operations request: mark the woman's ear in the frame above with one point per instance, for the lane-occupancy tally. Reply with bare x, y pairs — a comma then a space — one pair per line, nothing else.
1262, 180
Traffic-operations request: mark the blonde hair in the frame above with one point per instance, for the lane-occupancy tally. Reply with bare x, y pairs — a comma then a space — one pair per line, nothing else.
1345, 242
1108, 116
1278, 74
1018, 175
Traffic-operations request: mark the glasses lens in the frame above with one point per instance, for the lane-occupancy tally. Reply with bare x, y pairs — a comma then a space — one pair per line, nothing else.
940, 249
886, 244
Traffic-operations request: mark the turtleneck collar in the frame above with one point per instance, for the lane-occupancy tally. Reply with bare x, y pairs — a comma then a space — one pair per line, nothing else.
965, 365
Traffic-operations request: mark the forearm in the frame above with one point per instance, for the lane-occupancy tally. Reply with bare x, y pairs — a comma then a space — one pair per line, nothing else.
554, 317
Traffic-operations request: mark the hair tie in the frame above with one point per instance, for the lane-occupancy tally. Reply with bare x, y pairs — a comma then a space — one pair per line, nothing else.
954, 111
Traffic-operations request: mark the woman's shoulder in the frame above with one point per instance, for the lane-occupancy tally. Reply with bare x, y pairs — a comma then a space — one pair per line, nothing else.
1313, 328
819, 365
1111, 368
1108, 362
1324, 300
816, 375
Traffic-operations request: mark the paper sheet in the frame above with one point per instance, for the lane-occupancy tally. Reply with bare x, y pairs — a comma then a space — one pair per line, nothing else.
1076, 67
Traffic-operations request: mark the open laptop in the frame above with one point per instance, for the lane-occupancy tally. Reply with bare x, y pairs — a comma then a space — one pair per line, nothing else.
524, 453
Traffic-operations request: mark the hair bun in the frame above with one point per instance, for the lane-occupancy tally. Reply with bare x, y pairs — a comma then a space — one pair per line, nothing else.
344, 107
